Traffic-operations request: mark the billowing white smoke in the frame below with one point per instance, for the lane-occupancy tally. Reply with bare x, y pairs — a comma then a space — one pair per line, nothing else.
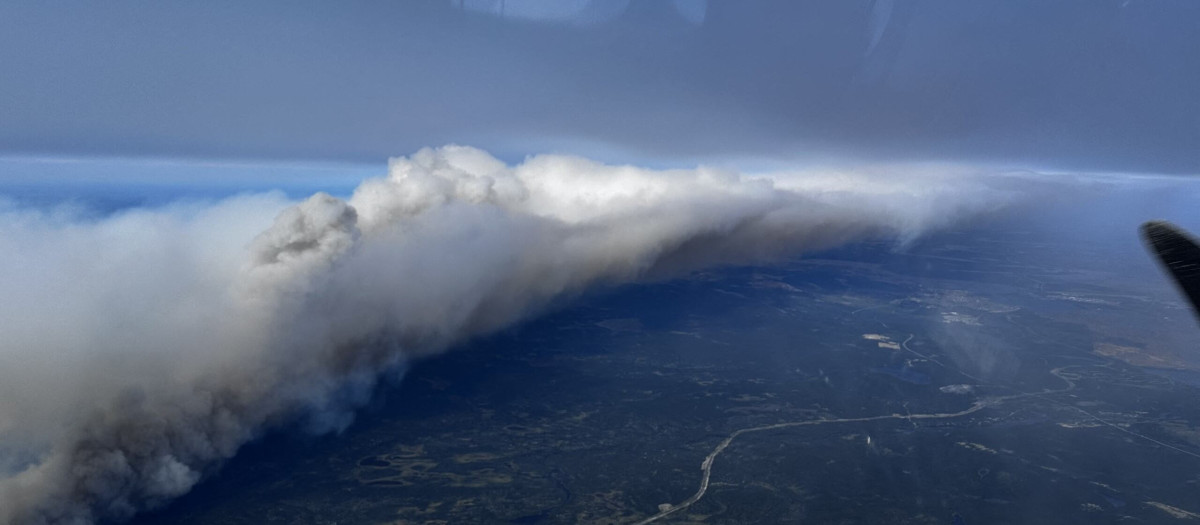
140, 350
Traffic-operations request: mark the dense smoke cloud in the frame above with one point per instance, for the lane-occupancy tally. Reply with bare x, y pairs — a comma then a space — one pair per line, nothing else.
142, 349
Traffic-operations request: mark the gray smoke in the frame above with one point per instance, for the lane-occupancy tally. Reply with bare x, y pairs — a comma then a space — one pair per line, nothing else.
139, 351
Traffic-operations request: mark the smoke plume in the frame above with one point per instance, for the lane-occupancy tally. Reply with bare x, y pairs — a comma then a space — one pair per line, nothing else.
140, 350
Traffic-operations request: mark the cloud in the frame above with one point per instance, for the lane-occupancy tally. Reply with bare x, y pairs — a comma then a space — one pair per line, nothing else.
142, 349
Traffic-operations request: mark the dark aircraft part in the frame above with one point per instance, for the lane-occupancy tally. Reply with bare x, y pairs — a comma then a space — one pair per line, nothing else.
1179, 254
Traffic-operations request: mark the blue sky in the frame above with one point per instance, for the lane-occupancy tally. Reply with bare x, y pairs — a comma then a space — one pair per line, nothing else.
1068, 84
105, 184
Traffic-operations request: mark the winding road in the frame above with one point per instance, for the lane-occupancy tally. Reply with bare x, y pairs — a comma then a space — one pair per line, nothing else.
707, 464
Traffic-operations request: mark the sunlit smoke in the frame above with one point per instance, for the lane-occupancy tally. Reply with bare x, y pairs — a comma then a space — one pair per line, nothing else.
140, 350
